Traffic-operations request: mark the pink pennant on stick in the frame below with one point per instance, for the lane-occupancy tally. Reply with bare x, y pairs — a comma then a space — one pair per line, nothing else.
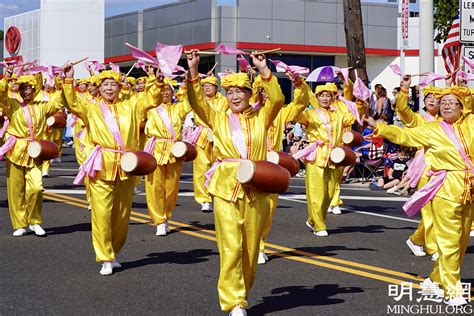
396, 69
97, 66
465, 76
294, 70
244, 65
226, 50
168, 57
430, 77
143, 56
344, 72
36, 69
7, 63
114, 67
467, 61
360, 91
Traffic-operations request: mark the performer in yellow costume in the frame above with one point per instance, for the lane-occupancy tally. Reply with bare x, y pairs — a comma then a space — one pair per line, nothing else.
325, 126
203, 133
449, 191
424, 234
27, 123
112, 126
163, 129
239, 212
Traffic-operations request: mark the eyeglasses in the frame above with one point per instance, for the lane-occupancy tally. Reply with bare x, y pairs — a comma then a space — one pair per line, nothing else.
451, 103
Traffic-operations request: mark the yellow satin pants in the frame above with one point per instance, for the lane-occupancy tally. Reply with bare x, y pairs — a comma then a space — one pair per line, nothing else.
111, 204
452, 224
56, 136
45, 166
201, 165
320, 189
424, 234
268, 222
336, 199
25, 194
239, 227
162, 188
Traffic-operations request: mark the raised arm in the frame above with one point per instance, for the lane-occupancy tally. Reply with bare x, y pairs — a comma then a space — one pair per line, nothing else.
75, 105
196, 97
55, 103
407, 116
300, 102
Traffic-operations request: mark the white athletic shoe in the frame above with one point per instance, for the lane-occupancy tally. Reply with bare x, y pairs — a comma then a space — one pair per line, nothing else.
392, 190
309, 225
238, 311
429, 287
330, 209
417, 250
167, 227
206, 207
37, 229
116, 264
456, 301
321, 233
336, 210
19, 232
262, 258
136, 191
472, 233
434, 257
46, 174
107, 268
161, 229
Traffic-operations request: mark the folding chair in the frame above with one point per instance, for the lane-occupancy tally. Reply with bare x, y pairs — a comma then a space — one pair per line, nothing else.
372, 164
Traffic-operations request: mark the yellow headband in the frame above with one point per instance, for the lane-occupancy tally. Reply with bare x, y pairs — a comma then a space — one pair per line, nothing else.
461, 93
432, 90
131, 80
144, 79
27, 79
212, 80
328, 87
240, 80
171, 82
109, 74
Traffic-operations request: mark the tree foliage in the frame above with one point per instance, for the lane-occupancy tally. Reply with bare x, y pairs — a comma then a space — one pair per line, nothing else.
445, 11
1, 35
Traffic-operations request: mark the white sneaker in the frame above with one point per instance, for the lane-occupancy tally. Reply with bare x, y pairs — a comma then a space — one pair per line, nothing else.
205, 207
472, 233
336, 210
262, 258
417, 250
434, 257
19, 232
116, 264
167, 227
322, 233
107, 268
429, 287
46, 174
330, 209
238, 311
89, 207
309, 225
136, 191
392, 190
161, 229
37, 229
456, 301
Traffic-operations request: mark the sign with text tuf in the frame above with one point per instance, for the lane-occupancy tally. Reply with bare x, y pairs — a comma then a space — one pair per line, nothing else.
467, 21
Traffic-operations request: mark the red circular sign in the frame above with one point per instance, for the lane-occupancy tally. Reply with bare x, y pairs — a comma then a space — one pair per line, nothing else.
12, 39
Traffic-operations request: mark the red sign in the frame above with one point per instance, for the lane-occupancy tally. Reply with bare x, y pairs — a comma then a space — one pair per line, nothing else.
12, 39
405, 15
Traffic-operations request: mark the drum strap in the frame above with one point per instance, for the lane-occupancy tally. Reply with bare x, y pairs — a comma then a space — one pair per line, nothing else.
415, 171
210, 173
167, 120
428, 117
112, 124
326, 123
92, 164
26, 111
237, 133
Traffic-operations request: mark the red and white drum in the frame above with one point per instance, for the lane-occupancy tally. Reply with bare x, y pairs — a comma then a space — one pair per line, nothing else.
43, 150
184, 150
138, 163
58, 120
352, 139
264, 176
285, 160
343, 156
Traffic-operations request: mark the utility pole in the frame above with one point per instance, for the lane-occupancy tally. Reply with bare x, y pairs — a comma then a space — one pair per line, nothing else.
355, 39
426, 36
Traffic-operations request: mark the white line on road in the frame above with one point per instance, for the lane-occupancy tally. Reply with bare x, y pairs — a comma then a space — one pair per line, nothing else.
350, 197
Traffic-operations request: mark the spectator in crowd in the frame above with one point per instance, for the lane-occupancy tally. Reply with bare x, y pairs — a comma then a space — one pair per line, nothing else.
395, 173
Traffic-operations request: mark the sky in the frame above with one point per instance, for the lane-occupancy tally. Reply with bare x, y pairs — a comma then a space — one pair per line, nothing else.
112, 7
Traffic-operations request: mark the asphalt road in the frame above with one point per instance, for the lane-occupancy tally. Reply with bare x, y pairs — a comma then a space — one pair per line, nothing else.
349, 272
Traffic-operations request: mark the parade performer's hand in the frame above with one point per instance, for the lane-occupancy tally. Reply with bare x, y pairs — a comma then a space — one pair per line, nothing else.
405, 83
69, 70
159, 76
294, 77
193, 63
370, 121
260, 62
448, 80
9, 72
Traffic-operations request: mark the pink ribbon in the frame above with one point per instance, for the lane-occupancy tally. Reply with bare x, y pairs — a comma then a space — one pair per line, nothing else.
324, 119
237, 133
26, 111
194, 136
255, 106
73, 120
143, 56
166, 119
428, 117
112, 124
360, 91
168, 57
6, 122
448, 129
353, 108
151, 143
426, 193
92, 164
430, 77
309, 152
226, 50
9, 144
210, 173
417, 166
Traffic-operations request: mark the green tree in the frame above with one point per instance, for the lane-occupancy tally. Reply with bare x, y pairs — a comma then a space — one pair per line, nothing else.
1, 35
445, 11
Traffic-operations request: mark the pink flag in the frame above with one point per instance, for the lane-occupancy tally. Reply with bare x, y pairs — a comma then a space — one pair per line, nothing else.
226, 50
178, 68
467, 61
168, 57
465, 76
222, 74
360, 91
430, 77
114, 67
294, 70
97, 66
345, 73
35, 69
5, 64
396, 69
141, 64
244, 65
143, 56
353, 108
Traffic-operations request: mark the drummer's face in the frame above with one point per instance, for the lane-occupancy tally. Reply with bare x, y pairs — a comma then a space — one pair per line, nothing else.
450, 108
432, 104
140, 85
167, 94
14, 86
210, 90
324, 99
93, 89
109, 89
27, 92
82, 87
238, 98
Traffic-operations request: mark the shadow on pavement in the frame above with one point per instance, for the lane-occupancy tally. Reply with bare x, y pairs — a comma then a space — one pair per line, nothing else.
368, 229
288, 297
61, 230
173, 257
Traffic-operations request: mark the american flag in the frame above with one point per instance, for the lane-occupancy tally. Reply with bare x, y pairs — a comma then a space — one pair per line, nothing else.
451, 47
